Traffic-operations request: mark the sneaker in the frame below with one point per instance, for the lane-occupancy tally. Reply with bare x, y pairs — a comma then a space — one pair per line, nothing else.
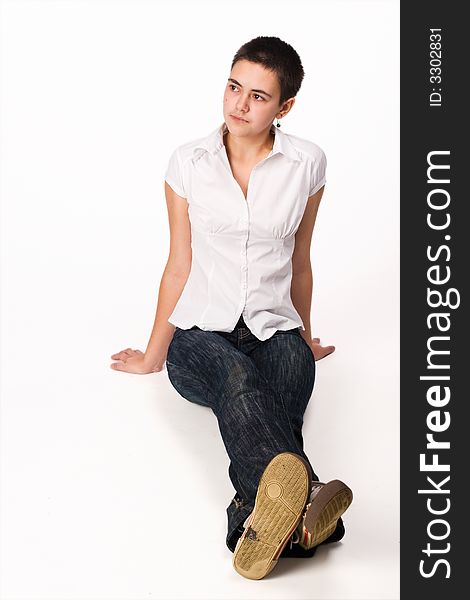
280, 501
326, 504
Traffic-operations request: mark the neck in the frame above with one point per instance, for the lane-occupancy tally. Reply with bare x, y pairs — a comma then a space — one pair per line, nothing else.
248, 148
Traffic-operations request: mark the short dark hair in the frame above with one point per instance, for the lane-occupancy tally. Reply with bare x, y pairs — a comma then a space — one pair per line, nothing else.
277, 56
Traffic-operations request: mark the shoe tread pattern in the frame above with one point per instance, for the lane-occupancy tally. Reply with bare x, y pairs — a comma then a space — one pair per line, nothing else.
273, 518
323, 514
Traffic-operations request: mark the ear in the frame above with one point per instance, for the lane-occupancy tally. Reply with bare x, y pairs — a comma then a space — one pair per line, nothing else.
288, 104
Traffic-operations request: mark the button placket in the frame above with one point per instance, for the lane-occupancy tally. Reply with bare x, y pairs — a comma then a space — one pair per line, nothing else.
244, 255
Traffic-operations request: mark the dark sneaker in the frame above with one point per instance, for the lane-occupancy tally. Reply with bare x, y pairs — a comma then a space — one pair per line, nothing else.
280, 502
321, 522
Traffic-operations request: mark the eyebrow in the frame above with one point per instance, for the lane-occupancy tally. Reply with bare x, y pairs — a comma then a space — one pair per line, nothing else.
240, 85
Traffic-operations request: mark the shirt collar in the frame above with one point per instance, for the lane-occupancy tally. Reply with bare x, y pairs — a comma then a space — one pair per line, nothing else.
214, 142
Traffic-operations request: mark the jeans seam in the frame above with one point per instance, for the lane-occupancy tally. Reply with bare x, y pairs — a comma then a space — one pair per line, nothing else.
243, 334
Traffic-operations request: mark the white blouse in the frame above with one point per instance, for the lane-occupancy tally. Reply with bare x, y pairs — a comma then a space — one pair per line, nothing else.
242, 249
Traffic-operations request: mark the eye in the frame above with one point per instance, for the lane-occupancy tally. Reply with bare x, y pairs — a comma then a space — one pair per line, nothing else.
257, 96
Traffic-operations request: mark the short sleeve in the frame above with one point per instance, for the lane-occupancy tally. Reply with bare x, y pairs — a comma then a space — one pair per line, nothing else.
174, 174
318, 177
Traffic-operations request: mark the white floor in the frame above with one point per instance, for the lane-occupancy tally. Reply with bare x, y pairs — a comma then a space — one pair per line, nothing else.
114, 487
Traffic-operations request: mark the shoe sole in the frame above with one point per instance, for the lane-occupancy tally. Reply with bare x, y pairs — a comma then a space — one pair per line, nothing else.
322, 515
280, 501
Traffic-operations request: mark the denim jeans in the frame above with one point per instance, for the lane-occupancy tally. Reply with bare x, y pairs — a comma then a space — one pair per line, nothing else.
258, 391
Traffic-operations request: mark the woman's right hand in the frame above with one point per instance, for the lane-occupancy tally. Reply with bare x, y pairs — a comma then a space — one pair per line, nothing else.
134, 361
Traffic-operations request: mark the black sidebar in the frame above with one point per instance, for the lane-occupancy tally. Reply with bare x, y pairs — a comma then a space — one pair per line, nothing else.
434, 262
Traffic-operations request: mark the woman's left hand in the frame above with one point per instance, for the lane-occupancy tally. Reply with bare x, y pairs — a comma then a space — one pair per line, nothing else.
320, 351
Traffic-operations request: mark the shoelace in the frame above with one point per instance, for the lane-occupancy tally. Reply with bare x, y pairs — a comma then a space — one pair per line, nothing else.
295, 537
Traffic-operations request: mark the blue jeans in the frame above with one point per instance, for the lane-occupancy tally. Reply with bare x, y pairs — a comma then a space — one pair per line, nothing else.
258, 391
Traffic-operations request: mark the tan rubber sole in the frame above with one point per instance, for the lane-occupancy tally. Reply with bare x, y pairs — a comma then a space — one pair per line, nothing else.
327, 507
280, 501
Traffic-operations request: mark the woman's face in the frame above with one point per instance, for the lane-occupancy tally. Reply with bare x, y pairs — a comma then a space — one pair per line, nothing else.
252, 93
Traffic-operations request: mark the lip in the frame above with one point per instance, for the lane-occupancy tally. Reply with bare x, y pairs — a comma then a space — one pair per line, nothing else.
239, 119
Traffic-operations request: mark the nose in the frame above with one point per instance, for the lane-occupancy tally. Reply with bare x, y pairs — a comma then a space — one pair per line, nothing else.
242, 103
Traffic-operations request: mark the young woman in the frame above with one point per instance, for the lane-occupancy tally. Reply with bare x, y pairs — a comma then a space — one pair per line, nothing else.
233, 315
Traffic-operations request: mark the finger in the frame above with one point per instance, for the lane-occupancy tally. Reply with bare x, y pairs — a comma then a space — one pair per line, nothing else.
126, 352
116, 366
119, 354
316, 340
325, 352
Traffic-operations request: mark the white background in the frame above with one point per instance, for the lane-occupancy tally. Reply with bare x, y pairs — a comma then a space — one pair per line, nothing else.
112, 485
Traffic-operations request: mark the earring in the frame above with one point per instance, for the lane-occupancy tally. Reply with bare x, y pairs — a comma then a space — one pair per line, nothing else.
278, 124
